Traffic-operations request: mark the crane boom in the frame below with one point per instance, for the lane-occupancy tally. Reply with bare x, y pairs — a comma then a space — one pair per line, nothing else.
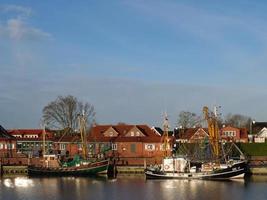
213, 129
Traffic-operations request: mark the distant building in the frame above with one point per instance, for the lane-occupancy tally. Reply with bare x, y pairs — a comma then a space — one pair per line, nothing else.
259, 132
261, 136
7, 143
68, 145
232, 134
192, 135
227, 134
257, 127
30, 141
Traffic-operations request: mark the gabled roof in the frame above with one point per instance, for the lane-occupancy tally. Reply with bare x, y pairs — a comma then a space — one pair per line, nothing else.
96, 134
262, 133
188, 133
110, 132
158, 130
258, 126
4, 134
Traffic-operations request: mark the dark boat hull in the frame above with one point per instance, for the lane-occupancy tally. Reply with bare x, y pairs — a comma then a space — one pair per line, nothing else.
237, 170
88, 170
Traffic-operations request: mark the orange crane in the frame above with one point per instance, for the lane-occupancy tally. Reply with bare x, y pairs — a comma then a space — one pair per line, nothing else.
213, 129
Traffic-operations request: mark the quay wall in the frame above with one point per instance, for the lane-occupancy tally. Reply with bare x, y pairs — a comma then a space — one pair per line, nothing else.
130, 165
20, 161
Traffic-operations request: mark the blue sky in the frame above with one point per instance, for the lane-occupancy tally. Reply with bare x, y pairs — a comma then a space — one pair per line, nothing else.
133, 60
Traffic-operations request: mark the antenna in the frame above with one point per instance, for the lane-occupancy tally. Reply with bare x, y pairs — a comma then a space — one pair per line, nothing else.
216, 111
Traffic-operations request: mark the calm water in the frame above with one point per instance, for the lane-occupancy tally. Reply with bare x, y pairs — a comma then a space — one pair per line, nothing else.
130, 187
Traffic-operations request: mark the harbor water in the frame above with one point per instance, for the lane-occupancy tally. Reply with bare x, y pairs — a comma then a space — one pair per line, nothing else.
130, 187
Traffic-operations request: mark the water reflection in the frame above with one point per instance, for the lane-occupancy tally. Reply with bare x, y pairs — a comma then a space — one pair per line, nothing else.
130, 187
23, 182
256, 178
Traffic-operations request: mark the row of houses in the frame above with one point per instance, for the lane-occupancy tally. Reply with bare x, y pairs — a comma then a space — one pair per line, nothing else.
227, 133
129, 144
257, 134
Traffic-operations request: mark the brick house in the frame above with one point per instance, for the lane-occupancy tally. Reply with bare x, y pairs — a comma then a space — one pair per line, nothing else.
128, 144
232, 134
68, 145
228, 134
192, 135
30, 141
7, 143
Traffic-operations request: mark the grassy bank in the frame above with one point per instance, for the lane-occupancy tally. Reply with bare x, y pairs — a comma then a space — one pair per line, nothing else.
249, 149
254, 149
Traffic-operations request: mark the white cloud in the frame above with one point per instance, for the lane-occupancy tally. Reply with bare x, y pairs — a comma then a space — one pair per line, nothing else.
17, 26
21, 10
17, 29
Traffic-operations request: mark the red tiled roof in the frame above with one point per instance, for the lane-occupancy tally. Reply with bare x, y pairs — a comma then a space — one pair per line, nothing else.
39, 132
189, 132
33, 139
96, 134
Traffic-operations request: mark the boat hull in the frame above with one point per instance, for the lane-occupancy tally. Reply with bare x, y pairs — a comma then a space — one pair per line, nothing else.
88, 170
237, 170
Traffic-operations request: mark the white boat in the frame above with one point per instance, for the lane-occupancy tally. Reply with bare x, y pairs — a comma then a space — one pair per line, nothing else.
180, 168
217, 166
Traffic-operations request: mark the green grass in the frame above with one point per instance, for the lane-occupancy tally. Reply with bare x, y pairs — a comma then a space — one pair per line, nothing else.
254, 149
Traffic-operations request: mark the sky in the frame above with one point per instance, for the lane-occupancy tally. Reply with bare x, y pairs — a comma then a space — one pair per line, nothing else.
133, 60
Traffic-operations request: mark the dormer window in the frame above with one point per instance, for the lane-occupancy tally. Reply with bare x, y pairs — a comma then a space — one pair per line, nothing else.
110, 132
135, 132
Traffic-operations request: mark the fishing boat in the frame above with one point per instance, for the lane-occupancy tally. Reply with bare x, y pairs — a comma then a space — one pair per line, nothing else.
218, 165
51, 166
80, 169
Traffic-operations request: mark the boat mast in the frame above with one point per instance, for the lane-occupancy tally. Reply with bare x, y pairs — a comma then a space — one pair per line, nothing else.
213, 129
82, 125
166, 127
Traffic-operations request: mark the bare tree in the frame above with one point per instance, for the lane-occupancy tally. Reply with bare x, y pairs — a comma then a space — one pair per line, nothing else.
237, 120
62, 113
188, 119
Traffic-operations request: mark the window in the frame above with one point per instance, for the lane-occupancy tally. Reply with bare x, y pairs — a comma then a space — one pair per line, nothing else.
149, 147
132, 133
62, 146
80, 146
114, 146
10, 146
137, 133
133, 148
1, 146
234, 133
